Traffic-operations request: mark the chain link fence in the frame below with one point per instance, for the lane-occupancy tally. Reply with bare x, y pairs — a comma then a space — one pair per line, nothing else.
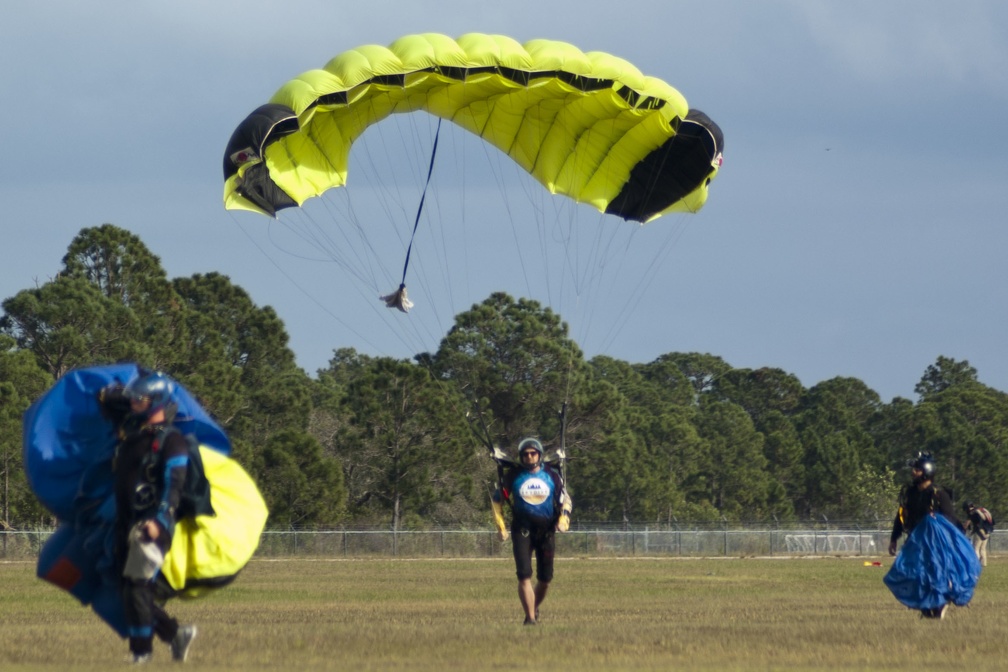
726, 541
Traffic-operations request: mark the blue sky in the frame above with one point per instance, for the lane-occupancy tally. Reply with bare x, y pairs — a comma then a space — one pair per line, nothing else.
857, 227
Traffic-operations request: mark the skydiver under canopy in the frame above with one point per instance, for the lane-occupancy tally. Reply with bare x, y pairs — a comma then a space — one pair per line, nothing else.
540, 506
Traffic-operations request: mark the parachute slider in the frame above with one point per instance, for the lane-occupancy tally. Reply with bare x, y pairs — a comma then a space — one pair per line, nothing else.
398, 299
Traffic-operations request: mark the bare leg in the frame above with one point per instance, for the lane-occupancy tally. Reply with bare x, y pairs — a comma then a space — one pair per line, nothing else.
528, 599
540, 594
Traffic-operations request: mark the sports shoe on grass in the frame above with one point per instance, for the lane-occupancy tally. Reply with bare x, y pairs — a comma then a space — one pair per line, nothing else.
182, 641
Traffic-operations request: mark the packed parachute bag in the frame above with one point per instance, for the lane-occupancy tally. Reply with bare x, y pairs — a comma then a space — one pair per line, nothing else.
69, 446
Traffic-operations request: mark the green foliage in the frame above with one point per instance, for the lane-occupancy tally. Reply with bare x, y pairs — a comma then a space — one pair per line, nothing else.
701, 370
117, 264
21, 381
514, 363
300, 484
876, 492
734, 465
969, 441
832, 427
405, 444
761, 392
69, 323
686, 437
943, 374
664, 479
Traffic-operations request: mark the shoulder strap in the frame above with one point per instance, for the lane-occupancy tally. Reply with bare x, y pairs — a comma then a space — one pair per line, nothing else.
935, 498
162, 436
196, 489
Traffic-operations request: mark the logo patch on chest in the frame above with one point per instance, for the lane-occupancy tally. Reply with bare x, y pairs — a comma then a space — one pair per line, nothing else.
534, 491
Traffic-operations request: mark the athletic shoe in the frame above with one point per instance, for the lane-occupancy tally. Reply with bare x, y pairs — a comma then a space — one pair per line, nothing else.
529, 621
141, 658
181, 642
940, 611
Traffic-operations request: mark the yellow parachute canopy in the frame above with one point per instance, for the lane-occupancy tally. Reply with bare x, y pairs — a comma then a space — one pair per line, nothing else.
208, 551
590, 125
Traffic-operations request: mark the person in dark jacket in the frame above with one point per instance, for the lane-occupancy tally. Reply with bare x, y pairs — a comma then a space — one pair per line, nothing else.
540, 506
918, 499
150, 469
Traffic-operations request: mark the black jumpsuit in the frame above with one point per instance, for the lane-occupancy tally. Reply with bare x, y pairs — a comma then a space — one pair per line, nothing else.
149, 471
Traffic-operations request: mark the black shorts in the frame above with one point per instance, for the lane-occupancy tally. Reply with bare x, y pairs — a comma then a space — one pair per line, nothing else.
541, 540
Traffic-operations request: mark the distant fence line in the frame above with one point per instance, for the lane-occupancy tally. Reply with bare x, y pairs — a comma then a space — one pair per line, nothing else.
593, 542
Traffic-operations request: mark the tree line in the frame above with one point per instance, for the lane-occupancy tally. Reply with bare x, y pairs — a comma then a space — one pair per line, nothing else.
404, 443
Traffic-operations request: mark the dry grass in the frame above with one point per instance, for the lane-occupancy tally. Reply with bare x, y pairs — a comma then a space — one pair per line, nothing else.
608, 614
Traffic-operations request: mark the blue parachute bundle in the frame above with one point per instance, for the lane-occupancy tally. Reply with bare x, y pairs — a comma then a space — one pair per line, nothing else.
68, 452
936, 565
68, 445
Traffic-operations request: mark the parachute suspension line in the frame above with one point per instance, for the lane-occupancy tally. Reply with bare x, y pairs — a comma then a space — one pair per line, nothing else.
398, 298
662, 249
299, 286
562, 451
485, 438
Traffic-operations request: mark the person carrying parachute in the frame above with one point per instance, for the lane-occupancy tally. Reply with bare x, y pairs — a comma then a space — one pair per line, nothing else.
150, 507
150, 469
540, 506
937, 564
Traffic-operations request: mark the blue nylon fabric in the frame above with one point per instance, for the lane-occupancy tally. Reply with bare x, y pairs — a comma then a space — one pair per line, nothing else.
936, 565
69, 446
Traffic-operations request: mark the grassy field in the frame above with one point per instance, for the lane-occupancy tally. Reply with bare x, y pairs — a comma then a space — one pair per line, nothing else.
602, 614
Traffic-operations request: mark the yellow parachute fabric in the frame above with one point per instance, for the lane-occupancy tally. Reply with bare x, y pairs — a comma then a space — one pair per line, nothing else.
208, 551
580, 123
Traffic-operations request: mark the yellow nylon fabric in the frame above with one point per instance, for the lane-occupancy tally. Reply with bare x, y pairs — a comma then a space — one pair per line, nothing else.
577, 142
219, 546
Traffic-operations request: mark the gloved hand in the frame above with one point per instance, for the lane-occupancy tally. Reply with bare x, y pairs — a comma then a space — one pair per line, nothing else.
112, 403
564, 523
112, 391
